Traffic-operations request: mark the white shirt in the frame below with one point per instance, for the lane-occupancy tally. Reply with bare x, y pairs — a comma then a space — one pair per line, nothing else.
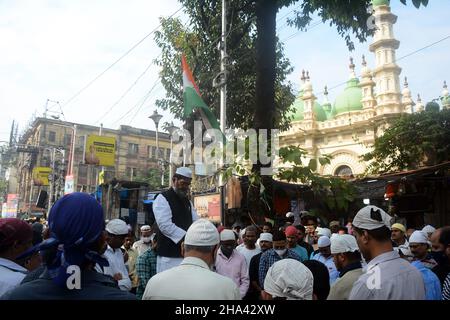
140, 247
117, 265
192, 280
247, 253
163, 217
11, 275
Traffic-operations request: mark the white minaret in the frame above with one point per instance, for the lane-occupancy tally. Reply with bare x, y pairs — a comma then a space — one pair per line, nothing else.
419, 105
386, 71
406, 98
445, 97
367, 84
326, 102
308, 99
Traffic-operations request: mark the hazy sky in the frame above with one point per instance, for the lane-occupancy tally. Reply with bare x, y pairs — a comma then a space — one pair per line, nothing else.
50, 49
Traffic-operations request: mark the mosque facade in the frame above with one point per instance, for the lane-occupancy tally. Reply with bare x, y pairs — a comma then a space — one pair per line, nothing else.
346, 129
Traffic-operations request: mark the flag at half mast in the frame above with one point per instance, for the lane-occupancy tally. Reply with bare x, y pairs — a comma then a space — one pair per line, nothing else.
192, 98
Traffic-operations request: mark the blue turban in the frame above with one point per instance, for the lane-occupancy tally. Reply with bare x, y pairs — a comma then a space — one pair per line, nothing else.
76, 223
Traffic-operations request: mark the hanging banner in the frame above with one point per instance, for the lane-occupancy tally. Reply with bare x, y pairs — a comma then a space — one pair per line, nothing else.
100, 150
68, 185
40, 176
10, 209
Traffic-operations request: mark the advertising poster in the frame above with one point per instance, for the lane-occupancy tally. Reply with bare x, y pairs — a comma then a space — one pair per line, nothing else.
40, 176
100, 150
208, 206
68, 185
10, 209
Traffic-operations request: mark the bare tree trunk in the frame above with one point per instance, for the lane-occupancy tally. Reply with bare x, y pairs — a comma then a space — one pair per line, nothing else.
266, 11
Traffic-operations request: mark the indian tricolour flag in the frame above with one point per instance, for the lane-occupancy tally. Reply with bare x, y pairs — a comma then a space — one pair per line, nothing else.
193, 99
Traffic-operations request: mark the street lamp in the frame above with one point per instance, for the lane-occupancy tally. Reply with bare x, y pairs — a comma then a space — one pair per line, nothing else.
171, 129
156, 117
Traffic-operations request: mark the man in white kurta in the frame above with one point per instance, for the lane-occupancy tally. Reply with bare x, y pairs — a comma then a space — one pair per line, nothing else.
117, 231
174, 213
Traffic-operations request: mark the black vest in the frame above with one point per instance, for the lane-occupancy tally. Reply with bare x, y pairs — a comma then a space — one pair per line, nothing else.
181, 217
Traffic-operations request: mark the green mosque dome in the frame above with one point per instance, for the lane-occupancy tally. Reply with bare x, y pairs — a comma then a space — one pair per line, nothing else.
349, 99
446, 100
376, 3
299, 107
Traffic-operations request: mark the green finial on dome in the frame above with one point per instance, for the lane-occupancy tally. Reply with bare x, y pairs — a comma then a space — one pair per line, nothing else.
377, 3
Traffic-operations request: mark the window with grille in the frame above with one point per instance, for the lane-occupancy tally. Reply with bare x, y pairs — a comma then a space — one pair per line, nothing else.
133, 148
52, 136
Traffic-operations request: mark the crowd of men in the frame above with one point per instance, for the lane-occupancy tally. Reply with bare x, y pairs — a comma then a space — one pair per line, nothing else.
79, 255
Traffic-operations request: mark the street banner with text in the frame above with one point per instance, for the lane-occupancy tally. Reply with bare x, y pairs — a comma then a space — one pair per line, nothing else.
100, 150
40, 176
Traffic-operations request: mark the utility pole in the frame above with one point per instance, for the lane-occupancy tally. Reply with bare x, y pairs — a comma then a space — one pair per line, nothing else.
72, 155
102, 168
223, 100
52, 180
223, 62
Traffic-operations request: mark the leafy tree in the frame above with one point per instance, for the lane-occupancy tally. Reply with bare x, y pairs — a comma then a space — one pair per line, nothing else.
152, 176
412, 141
335, 192
198, 41
254, 38
3, 188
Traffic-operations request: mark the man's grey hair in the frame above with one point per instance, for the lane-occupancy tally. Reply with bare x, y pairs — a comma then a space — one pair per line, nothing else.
203, 249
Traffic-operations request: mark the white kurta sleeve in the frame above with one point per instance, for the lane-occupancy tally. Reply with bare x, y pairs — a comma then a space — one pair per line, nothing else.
194, 212
163, 217
125, 284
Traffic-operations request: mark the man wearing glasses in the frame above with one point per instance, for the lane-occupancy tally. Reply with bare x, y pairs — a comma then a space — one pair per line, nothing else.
174, 213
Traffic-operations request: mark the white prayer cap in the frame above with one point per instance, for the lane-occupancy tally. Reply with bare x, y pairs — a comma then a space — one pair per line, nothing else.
146, 228
227, 234
371, 217
289, 278
185, 172
341, 243
289, 214
117, 227
265, 236
202, 233
418, 237
324, 232
323, 241
404, 250
428, 229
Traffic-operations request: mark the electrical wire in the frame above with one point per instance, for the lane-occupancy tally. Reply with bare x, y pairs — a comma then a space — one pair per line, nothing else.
398, 59
125, 93
300, 31
115, 62
139, 106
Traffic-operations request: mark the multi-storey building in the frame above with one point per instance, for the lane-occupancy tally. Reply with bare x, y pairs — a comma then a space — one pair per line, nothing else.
367, 106
48, 143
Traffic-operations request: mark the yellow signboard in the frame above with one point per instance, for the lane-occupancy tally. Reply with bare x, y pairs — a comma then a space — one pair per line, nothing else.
100, 150
40, 176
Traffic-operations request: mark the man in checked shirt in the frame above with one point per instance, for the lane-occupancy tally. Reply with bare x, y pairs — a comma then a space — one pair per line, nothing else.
146, 267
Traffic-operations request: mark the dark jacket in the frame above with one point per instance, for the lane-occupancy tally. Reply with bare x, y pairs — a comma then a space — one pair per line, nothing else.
181, 217
94, 286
